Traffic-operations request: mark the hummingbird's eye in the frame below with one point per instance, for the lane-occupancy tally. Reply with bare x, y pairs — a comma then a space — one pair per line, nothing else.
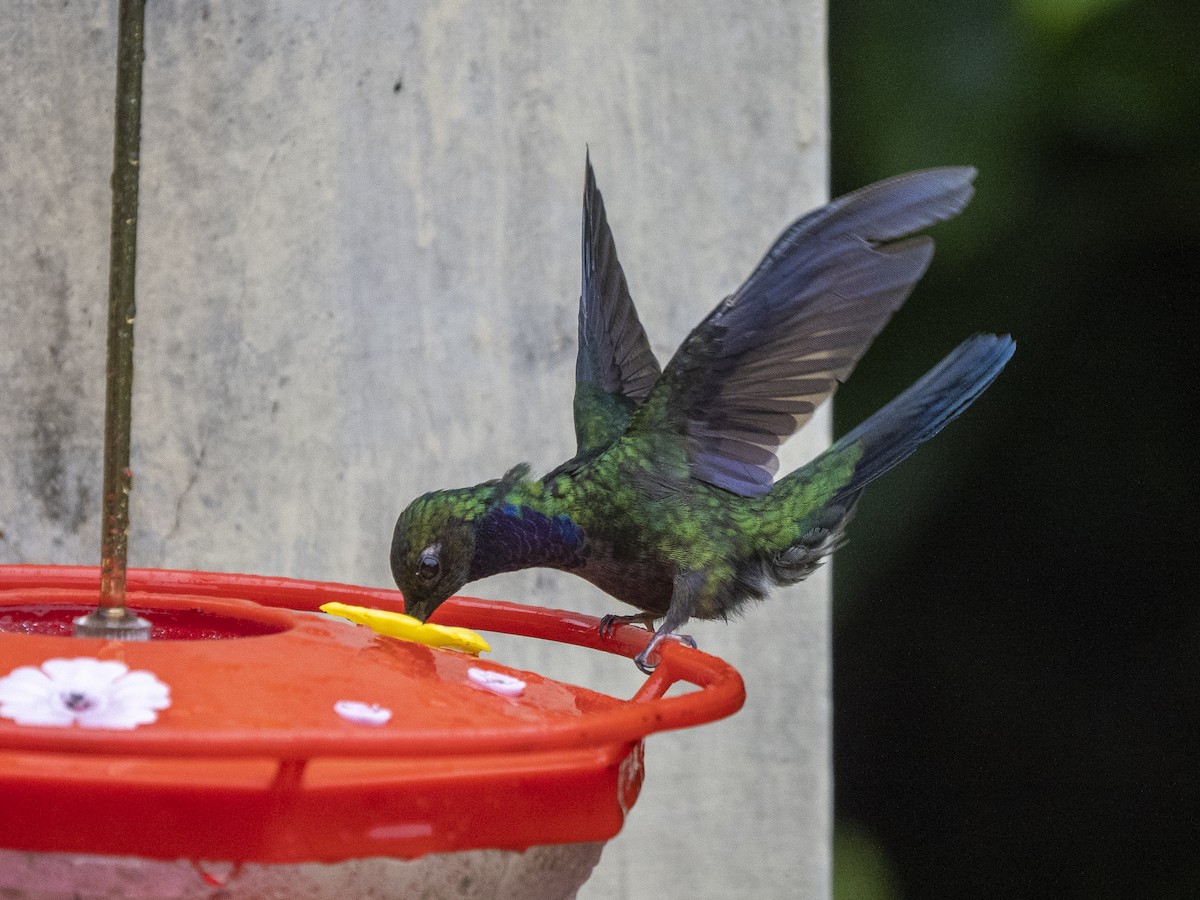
428, 565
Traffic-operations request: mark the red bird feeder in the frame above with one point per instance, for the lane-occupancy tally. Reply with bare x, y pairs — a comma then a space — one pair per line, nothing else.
272, 736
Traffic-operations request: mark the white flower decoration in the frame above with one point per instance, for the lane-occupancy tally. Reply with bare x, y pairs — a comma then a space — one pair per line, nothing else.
362, 713
497, 682
94, 693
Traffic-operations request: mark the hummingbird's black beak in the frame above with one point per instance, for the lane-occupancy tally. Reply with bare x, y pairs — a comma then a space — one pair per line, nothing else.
417, 610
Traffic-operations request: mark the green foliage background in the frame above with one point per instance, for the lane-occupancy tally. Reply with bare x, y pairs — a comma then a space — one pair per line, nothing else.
1017, 646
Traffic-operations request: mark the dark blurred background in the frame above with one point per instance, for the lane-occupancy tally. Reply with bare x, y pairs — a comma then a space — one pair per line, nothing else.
1016, 634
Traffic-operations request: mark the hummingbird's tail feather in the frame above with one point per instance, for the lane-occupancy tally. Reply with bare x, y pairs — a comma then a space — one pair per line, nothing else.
891, 435
810, 508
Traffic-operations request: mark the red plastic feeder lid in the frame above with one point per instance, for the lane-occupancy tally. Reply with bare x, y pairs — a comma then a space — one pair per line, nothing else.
280, 736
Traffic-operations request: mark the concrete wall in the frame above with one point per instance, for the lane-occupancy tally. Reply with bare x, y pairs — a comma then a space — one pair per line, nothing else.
358, 275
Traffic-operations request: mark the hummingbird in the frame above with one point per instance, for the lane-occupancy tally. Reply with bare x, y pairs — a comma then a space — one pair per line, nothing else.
670, 503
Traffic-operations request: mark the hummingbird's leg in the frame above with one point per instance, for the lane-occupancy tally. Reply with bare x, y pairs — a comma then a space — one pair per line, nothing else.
683, 602
610, 623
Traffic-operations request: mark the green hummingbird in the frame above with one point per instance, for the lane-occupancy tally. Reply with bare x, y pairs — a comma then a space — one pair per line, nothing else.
670, 503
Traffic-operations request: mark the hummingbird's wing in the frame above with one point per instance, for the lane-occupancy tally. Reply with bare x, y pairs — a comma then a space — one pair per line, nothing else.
615, 368
754, 370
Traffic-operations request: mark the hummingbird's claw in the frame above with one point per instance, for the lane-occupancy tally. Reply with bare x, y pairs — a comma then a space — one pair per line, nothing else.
642, 660
610, 623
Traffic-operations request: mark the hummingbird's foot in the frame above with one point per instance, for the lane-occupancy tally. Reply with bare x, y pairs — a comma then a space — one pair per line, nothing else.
642, 660
609, 624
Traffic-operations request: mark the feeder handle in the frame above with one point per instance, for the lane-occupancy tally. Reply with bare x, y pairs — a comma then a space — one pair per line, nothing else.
720, 684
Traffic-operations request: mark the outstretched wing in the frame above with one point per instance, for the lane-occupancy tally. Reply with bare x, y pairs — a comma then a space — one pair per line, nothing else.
755, 369
615, 368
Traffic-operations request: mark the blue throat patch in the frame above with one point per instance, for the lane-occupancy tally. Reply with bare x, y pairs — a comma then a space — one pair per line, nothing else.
516, 537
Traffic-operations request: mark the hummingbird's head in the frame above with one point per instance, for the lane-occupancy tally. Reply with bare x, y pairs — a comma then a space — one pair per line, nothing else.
432, 549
